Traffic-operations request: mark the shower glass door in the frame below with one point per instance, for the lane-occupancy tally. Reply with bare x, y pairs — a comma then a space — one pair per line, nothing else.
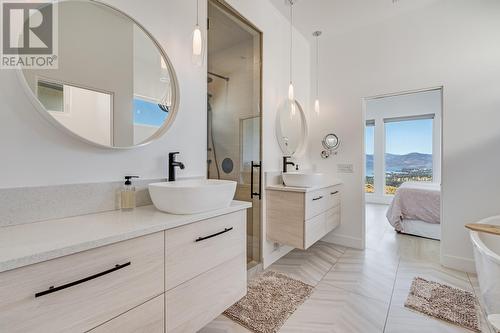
233, 112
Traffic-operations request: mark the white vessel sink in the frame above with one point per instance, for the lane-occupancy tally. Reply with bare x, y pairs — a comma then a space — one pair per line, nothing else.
303, 179
192, 196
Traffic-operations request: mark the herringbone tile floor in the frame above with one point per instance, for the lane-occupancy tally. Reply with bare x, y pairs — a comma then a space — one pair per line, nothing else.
363, 291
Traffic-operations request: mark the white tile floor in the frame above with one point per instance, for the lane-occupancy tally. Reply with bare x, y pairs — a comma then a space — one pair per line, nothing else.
364, 291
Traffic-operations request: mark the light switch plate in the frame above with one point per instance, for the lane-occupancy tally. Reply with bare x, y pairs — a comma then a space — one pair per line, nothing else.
345, 168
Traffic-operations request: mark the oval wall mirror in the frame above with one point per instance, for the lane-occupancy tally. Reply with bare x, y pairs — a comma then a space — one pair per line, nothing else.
291, 128
114, 86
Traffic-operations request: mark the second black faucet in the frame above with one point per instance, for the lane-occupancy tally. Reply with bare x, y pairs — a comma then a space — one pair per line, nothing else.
172, 164
286, 163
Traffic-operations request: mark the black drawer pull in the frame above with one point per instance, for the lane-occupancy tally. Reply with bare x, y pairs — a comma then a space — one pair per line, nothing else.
199, 239
318, 198
333, 193
53, 289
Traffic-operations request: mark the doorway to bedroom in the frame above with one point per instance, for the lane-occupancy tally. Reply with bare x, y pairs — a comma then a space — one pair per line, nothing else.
402, 173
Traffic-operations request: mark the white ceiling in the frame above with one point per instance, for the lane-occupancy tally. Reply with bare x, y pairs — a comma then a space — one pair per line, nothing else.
342, 16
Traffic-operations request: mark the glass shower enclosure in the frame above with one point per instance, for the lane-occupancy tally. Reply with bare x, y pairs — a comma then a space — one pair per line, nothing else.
234, 112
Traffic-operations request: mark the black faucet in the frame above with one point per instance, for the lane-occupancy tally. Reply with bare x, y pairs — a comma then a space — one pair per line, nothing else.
172, 164
286, 163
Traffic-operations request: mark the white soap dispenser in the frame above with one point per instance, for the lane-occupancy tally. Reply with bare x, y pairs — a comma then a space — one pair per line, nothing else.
128, 194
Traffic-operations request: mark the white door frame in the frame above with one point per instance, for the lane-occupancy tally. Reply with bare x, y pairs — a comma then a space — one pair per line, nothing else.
437, 146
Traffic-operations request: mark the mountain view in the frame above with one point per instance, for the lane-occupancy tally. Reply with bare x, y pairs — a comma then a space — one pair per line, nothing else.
398, 163
400, 169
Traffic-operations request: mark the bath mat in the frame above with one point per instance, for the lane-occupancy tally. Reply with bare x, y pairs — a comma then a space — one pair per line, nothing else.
443, 302
270, 300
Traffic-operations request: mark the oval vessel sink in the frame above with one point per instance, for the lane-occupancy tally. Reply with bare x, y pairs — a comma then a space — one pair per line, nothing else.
303, 179
192, 196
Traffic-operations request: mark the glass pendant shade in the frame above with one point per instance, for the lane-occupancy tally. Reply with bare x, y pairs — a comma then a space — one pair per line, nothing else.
316, 106
197, 46
291, 94
316, 35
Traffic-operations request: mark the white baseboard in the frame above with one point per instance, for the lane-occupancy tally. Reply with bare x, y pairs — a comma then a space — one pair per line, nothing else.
458, 263
344, 240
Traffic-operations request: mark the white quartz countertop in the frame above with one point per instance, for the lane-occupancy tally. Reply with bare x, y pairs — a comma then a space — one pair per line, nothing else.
281, 187
27, 244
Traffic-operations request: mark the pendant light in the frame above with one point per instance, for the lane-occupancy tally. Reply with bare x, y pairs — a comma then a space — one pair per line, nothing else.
291, 93
198, 46
316, 35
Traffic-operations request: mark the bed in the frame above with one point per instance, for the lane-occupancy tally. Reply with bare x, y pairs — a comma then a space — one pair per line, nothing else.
415, 210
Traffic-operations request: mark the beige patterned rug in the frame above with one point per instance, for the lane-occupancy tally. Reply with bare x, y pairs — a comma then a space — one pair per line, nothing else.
271, 299
443, 302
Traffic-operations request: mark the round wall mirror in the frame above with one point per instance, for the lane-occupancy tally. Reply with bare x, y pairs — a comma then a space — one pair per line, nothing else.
114, 85
291, 127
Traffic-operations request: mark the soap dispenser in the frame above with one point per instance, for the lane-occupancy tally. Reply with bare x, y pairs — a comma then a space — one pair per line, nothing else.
128, 194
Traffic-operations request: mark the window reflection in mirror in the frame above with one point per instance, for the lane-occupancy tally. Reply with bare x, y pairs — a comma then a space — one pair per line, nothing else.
51, 96
85, 112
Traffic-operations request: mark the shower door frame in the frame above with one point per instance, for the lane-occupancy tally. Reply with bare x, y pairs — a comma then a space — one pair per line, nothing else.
223, 5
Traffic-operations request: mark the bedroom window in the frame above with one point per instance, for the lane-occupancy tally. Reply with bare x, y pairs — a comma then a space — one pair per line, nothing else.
408, 151
369, 148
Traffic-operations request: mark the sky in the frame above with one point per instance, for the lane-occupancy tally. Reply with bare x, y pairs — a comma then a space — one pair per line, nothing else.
404, 137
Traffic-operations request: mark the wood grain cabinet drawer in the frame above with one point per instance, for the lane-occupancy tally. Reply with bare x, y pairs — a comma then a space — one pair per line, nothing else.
316, 203
81, 291
194, 304
146, 318
196, 248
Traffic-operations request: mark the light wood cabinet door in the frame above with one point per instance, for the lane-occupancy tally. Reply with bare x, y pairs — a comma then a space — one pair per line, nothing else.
193, 249
89, 287
194, 304
146, 318
285, 218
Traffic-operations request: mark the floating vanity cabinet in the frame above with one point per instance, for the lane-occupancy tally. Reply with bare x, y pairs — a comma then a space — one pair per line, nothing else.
78, 292
127, 272
205, 270
300, 217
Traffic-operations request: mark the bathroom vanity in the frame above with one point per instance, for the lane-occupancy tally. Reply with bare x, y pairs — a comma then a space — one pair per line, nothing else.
122, 271
299, 217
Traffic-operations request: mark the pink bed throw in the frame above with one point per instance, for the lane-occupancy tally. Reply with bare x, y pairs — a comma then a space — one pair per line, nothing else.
415, 201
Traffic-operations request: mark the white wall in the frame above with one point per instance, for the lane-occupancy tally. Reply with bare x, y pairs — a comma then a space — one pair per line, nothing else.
275, 28
449, 43
35, 153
